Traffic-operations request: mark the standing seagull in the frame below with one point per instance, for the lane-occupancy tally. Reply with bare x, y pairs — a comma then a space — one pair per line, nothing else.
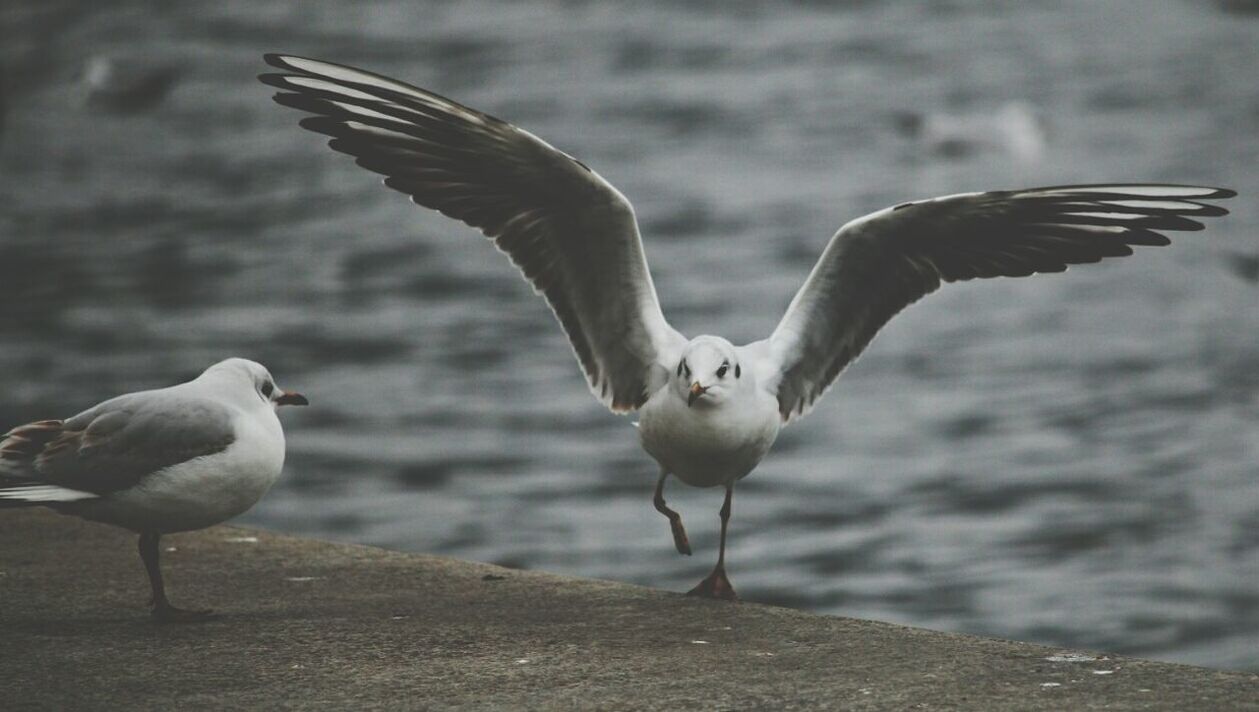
709, 410
156, 462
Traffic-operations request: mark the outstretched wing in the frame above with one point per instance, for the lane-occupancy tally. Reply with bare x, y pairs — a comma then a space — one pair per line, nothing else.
569, 231
110, 447
879, 264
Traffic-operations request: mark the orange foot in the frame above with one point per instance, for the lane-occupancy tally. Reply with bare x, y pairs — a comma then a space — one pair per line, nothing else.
679, 536
717, 585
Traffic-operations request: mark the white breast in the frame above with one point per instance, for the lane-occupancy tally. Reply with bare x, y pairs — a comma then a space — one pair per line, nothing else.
203, 491
709, 446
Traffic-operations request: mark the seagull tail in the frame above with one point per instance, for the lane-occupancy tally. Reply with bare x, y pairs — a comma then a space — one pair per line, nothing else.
17, 493
20, 486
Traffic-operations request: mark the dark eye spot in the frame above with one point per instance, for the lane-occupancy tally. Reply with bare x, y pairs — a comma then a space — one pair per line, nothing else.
681, 365
721, 371
267, 389
737, 371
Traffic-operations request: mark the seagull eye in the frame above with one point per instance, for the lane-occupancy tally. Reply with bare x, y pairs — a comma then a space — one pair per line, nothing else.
267, 389
737, 371
681, 365
721, 372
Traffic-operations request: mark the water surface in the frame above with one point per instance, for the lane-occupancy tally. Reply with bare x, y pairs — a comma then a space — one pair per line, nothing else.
1067, 459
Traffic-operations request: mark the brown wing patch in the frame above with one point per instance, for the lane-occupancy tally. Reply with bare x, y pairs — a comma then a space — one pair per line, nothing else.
26, 442
116, 444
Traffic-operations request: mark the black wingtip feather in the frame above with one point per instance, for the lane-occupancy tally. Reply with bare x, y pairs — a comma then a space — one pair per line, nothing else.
1206, 210
1114, 191
277, 81
280, 61
1145, 238
323, 125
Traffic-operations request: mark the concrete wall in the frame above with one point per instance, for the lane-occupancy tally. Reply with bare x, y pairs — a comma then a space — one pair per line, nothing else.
313, 625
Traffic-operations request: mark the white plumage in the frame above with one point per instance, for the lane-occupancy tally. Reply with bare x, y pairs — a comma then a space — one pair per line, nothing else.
156, 462
709, 410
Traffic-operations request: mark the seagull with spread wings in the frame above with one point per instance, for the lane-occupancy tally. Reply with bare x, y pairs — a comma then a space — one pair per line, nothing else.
709, 411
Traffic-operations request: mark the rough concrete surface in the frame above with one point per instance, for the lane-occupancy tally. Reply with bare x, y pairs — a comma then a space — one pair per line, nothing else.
313, 625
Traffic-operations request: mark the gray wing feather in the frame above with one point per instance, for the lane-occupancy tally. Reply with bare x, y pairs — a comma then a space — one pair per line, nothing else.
573, 236
116, 444
877, 265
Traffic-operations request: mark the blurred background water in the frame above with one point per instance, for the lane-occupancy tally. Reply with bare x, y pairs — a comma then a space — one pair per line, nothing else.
1067, 459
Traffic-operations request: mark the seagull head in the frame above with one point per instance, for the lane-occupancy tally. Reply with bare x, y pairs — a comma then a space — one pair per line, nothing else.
254, 381
707, 372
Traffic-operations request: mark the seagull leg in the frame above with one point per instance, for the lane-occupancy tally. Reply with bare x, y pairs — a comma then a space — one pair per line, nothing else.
675, 519
163, 611
717, 585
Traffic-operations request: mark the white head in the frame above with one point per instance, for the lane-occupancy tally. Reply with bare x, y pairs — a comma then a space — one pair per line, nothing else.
251, 381
708, 372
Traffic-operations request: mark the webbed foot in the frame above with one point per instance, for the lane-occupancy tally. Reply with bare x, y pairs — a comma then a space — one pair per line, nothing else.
717, 585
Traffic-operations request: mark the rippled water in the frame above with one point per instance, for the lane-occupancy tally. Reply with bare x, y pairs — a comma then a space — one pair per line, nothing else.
1068, 459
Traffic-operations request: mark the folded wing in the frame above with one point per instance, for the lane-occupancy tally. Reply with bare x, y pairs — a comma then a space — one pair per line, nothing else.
570, 232
877, 265
110, 447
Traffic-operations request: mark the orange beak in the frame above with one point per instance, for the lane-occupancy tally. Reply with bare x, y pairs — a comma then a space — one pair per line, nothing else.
696, 391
